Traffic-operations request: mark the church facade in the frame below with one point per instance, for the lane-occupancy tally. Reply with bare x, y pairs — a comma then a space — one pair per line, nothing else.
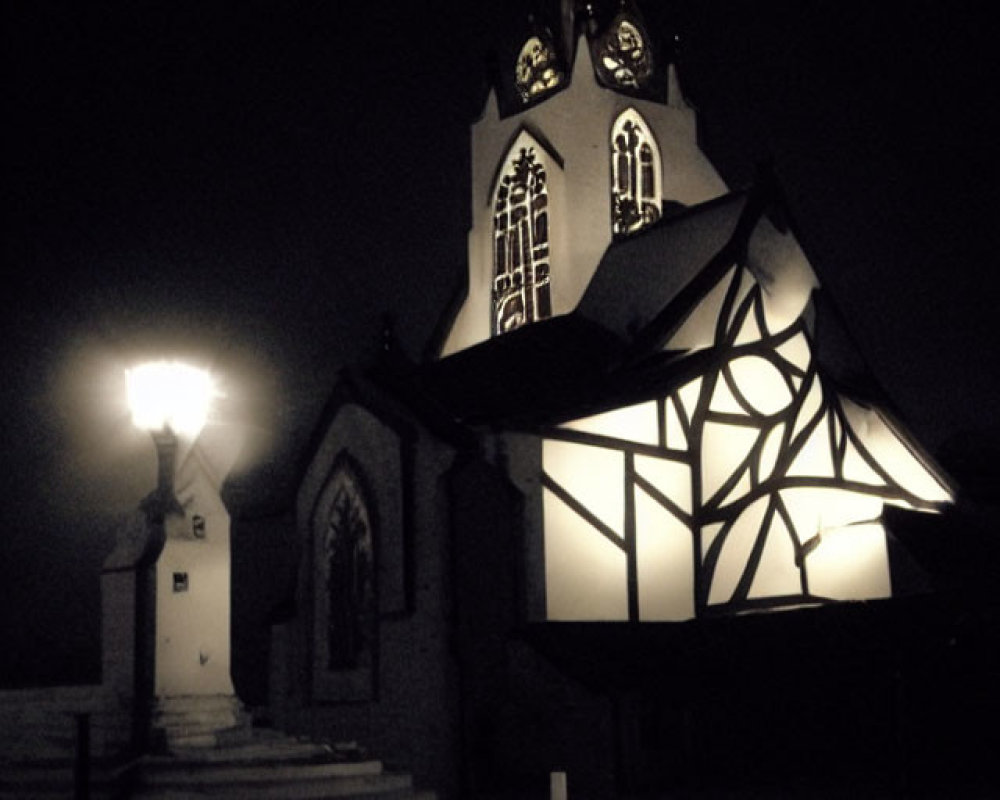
546, 548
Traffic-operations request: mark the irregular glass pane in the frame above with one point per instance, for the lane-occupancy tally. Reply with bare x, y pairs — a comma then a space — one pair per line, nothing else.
675, 431
815, 509
735, 552
796, 351
895, 457
810, 406
594, 476
689, 396
769, 452
815, 458
671, 478
740, 490
708, 535
585, 576
750, 331
850, 563
723, 400
723, 448
636, 423
857, 469
665, 562
777, 573
761, 384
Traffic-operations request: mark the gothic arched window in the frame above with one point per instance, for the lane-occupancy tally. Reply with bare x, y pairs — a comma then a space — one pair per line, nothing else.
349, 568
635, 174
520, 242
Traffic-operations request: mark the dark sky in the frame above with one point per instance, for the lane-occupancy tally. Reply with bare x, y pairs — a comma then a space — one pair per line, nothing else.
253, 185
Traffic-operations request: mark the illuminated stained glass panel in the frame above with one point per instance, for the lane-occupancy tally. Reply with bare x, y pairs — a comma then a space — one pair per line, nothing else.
521, 243
763, 488
622, 56
585, 572
537, 70
635, 174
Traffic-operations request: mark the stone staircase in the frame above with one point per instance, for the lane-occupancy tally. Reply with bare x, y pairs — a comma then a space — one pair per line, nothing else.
203, 748
266, 764
199, 721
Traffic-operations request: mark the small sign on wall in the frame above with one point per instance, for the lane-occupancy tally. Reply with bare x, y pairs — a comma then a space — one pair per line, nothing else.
180, 581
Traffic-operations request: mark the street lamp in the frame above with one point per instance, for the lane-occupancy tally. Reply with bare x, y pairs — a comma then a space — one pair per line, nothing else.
169, 399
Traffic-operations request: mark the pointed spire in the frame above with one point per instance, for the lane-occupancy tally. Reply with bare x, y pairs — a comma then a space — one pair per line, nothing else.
568, 28
675, 94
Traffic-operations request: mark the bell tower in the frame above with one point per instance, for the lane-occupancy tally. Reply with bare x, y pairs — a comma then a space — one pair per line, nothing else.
585, 137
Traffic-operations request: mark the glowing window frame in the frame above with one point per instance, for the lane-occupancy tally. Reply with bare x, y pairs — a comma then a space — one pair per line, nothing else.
521, 252
634, 202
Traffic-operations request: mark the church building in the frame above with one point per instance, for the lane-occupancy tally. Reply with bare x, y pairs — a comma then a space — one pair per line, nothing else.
628, 511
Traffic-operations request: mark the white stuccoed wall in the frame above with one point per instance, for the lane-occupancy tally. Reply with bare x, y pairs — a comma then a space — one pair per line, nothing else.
193, 626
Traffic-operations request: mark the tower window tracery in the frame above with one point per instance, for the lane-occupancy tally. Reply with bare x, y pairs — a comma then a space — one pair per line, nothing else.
635, 174
521, 244
537, 68
622, 57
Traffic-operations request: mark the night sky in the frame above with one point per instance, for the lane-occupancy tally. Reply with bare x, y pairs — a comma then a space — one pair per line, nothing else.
255, 185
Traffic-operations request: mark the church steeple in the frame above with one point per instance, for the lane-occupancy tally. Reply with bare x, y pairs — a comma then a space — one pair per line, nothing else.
577, 148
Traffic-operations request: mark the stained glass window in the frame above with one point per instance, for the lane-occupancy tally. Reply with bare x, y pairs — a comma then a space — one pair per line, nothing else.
537, 68
622, 56
635, 174
521, 244
349, 570
754, 485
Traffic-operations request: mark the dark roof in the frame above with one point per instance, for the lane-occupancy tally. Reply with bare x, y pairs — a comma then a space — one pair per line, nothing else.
640, 276
561, 367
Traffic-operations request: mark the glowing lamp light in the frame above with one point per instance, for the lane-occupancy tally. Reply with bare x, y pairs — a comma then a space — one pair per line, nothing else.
168, 395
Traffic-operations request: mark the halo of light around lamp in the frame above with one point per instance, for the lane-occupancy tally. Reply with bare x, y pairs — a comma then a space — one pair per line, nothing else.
169, 394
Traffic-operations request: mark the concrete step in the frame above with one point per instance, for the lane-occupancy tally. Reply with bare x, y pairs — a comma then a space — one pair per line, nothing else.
161, 777
259, 751
201, 721
365, 780
55, 778
158, 770
269, 765
385, 786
